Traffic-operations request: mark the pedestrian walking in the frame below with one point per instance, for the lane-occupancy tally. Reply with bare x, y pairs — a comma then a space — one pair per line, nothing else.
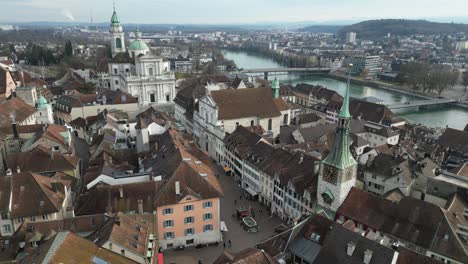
230, 245
261, 211
224, 245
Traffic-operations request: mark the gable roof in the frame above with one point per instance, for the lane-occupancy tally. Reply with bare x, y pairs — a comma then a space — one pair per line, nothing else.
240, 103
129, 231
42, 160
33, 194
409, 219
335, 245
67, 247
189, 181
455, 139
16, 106
118, 198
150, 116
246, 256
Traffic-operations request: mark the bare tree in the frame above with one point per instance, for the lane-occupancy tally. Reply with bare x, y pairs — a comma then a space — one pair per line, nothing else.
465, 80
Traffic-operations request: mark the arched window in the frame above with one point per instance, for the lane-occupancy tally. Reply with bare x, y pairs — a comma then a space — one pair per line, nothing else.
118, 43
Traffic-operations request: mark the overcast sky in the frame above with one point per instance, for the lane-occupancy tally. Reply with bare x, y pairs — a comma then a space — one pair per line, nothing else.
229, 11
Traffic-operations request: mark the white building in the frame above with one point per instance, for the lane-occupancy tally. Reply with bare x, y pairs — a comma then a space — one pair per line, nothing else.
350, 37
222, 111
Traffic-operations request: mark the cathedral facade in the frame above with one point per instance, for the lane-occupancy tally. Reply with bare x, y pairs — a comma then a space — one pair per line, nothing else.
135, 70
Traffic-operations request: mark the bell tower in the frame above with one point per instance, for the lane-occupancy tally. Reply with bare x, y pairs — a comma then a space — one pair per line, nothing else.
338, 170
118, 36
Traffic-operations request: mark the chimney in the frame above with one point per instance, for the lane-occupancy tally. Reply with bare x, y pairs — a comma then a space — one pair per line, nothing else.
18, 170
367, 256
13, 125
351, 248
177, 188
121, 192
54, 186
301, 159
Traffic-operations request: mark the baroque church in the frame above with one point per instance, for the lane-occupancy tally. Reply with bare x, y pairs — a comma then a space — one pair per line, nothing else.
137, 71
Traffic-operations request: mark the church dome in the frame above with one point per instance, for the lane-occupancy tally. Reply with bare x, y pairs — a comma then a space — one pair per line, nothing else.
138, 44
42, 103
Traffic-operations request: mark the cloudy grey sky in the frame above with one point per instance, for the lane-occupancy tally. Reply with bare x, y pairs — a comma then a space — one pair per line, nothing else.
228, 11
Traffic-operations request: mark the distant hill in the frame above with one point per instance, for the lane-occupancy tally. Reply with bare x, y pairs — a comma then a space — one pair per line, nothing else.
402, 27
321, 29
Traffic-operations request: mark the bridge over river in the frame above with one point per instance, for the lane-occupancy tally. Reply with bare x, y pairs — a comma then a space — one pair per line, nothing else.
421, 103
283, 71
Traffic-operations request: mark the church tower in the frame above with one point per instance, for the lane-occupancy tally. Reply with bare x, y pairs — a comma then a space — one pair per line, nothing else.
118, 36
338, 170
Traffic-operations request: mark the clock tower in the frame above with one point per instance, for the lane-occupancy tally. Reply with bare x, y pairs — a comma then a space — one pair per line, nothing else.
338, 170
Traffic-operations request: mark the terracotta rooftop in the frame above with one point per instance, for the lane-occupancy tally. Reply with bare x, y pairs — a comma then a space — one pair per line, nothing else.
239, 103
18, 108
246, 256
33, 194
67, 247
42, 160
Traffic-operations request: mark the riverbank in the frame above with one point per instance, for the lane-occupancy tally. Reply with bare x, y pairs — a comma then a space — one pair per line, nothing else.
451, 115
378, 85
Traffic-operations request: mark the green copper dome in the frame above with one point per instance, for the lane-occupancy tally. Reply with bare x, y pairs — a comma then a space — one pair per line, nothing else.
42, 103
115, 18
138, 45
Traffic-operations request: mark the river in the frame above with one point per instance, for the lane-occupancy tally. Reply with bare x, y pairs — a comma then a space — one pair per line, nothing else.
453, 116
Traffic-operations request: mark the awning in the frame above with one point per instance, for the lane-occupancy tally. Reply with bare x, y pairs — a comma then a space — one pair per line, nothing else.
251, 191
227, 169
223, 226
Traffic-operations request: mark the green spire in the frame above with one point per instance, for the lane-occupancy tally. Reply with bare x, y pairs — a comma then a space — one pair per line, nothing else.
344, 113
275, 86
115, 19
340, 156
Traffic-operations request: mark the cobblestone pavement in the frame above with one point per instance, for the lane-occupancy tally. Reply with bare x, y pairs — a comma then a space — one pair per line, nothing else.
240, 239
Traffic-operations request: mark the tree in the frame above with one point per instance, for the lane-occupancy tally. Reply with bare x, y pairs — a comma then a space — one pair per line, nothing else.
453, 78
365, 73
87, 88
68, 49
465, 80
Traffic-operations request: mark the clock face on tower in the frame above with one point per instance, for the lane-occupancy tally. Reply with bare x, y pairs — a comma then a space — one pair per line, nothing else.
330, 174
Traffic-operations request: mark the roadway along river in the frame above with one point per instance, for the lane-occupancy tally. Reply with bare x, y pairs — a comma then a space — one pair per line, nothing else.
452, 116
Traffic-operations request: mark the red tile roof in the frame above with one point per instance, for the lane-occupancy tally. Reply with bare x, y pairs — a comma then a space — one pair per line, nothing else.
18, 107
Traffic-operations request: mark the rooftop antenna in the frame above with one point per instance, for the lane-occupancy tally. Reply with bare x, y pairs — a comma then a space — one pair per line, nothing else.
91, 13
